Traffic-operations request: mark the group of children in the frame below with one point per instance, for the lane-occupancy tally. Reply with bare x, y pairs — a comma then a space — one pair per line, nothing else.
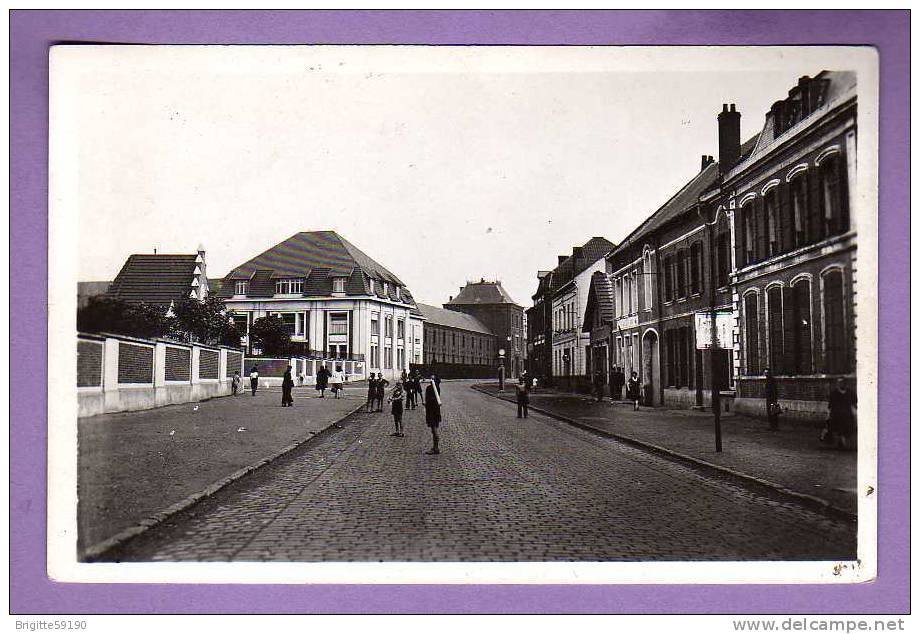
408, 388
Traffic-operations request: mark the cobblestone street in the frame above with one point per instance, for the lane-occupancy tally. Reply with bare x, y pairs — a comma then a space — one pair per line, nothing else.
502, 489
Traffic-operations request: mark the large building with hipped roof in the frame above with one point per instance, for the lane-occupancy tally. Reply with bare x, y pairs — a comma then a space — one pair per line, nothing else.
336, 302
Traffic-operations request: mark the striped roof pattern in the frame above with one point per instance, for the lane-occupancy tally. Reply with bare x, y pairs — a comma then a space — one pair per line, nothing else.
154, 279
600, 296
317, 258
452, 319
481, 292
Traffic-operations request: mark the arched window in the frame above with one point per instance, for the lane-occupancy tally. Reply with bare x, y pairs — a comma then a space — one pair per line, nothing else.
647, 279
775, 329
749, 232
696, 268
836, 351
833, 202
797, 327
751, 334
771, 209
799, 211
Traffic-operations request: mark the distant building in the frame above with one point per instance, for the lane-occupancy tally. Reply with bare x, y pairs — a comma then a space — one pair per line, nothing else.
88, 290
336, 302
540, 328
161, 279
490, 304
457, 344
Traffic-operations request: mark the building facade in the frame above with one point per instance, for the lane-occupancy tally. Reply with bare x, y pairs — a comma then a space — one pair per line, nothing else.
161, 279
490, 303
539, 329
791, 208
457, 345
335, 301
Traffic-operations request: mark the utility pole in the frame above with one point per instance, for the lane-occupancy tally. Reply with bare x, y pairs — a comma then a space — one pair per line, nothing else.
714, 344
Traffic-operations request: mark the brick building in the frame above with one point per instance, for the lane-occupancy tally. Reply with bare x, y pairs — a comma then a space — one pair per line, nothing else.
540, 328
457, 345
490, 303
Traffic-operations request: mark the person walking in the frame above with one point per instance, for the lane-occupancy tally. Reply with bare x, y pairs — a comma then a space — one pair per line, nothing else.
409, 388
380, 392
396, 399
337, 382
235, 383
599, 382
841, 418
254, 379
433, 415
616, 383
371, 392
522, 392
772, 397
322, 380
633, 390
287, 384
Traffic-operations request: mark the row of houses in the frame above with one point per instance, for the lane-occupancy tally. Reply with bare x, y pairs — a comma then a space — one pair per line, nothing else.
339, 305
760, 243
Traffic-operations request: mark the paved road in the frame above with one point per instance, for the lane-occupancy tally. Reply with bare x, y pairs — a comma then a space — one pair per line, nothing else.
502, 489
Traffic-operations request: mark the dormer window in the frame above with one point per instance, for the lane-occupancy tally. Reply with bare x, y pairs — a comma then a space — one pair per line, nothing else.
371, 283
386, 288
397, 292
242, 288
290, 286
338, 285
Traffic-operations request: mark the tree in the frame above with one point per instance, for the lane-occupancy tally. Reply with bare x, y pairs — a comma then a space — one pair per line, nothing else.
269, 335
207, 321
105, 314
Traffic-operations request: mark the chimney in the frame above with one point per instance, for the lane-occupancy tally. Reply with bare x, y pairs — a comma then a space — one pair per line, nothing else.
706, 161
729, 137
451, 298
562, 258
576, 252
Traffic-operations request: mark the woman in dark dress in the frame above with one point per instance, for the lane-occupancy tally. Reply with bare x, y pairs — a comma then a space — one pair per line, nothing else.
396, 398
633, 388
433, 414
371, 393
287, 384
322, 381
841, 409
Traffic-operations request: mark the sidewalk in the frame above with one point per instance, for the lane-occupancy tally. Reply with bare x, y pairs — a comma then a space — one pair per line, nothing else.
134, 465
791, 458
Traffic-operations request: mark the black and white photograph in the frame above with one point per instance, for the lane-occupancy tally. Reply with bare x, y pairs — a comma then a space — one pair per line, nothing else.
408, 314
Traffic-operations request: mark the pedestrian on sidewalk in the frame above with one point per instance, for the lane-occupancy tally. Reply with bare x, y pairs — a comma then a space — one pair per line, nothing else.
522, 391
633, 390
337, 382
287, 384
617, 380
772, 397
599, 382
235, 383
254, 379
396, 398
841, 420
371, 392
433, 414
409, 388
379, 393
322, 380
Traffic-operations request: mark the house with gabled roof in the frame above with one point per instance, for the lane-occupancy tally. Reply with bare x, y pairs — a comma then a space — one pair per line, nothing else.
161, 279
337, 302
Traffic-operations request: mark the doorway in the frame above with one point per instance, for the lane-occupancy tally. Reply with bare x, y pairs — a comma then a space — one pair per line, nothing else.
651, 379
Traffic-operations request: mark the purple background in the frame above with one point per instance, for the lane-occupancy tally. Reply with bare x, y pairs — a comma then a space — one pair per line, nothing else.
33, 31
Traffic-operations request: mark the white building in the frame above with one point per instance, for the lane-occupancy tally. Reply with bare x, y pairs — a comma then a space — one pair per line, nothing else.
336, 302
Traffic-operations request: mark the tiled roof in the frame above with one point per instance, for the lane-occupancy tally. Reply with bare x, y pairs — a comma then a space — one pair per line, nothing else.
582, 257
685, 198
600, 295
451, 319
482, 292
154, 279
316, 257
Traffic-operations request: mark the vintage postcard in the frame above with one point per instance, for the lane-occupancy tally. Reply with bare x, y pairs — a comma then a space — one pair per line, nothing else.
410, 314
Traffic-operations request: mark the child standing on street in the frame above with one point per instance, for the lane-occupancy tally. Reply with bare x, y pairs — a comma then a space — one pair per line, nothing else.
396, 398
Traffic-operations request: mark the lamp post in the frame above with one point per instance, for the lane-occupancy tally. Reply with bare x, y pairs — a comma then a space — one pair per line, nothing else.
501, 370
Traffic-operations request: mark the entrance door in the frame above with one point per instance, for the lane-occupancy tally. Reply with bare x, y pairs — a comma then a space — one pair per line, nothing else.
651, 374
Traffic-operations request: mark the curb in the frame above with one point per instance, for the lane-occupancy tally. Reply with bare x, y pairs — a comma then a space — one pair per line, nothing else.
97, 550
816, 503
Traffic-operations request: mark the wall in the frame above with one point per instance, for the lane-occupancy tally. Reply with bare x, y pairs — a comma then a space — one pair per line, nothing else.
303, 370
119, 374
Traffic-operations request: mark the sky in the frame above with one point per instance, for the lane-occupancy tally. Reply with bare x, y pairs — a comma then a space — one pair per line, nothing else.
444, 165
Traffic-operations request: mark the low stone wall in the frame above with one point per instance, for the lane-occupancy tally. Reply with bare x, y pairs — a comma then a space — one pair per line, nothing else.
120, 374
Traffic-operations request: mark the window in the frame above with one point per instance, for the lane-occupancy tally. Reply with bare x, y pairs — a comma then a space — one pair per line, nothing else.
400, 359
723, 253
288, 286
668, 278
241, 322
647, 279
696, 268
836, 357
388, 326
242, 288
775, 325
749, 233
338, 323
375, 356
397, 296
832, 200
635, 291
682, 273
375, 324
771, 206
386, 288
799, 211
370, 283
797, 324
400, 329
751, 334
338, 285
387, 358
